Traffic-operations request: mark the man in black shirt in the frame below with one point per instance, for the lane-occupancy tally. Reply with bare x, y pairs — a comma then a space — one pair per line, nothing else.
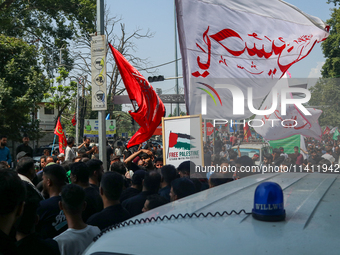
80, 176
168, 173
28, 240
111, 187
52, 220
25, 147
109, 153
87, 149
136, 186
181, 187
134, 205
96, 171
12, 196
207, 156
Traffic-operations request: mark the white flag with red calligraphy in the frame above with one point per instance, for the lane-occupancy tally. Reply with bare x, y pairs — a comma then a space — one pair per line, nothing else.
242, 43
276, 126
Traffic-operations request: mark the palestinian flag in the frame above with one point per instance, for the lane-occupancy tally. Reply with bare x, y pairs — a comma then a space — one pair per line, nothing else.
180, 141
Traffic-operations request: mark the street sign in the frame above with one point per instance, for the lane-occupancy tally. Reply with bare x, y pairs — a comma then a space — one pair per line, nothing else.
98, 72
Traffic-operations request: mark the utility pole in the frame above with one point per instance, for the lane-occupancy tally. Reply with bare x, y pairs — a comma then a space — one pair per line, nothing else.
77, 113
101, 113
176, 63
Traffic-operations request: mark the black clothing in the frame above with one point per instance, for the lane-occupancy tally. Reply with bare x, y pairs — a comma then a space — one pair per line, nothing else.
7, 245
279, 160
317, 159
52, 220
109, 152
111, 215
159, 152
94, 203
25, 148
134, 205
128, 193
165, 192
95, 187
85, 149
218, 146
207, 159
33, 244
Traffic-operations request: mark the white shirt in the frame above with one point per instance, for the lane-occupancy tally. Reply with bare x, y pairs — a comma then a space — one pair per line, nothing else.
69, 154
118, 152
75, 242
329, 157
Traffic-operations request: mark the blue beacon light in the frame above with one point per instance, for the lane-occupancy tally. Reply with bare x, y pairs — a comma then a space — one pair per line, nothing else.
268, 202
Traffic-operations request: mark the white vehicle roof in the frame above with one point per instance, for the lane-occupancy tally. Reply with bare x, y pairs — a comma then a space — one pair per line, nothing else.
311, 201
252, 146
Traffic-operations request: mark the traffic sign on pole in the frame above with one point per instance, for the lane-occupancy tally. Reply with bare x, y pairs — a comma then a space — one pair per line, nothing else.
98, 71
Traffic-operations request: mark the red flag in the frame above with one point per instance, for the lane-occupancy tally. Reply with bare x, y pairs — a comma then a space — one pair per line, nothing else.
150, 108
61, 135
326, 131
74, 121
246, 131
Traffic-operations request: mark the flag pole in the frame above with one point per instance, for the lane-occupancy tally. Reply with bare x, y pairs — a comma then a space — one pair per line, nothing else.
53, 144
169, 144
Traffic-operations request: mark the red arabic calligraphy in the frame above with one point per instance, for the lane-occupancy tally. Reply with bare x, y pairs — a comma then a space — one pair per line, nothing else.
241, 67
277, 48
222, 60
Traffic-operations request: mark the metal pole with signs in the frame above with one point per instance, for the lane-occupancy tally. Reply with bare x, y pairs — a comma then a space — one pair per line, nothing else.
77, 115
98, 71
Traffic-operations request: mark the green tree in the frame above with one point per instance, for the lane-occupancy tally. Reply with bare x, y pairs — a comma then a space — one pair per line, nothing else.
49, 24
326, 95
22, 84
62, 92
124, 42
331, 47
326, 92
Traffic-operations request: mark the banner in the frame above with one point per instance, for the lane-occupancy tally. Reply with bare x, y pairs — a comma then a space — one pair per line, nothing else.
91, 128
277, 126
287, 143
252, 43
182, 140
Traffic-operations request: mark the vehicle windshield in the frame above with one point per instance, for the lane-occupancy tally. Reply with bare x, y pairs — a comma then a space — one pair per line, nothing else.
248, 152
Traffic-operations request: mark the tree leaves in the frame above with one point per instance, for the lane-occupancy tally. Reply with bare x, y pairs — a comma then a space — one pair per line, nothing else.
22, 84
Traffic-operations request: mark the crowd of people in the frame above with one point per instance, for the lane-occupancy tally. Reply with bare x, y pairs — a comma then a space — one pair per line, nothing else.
317, 156
59, 207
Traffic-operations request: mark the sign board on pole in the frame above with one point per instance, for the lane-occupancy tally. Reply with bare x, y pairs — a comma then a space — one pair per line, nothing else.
91, 128
182, 140
98, 72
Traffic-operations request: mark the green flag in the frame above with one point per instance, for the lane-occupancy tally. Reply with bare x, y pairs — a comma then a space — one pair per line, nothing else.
287, 143
336, 134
